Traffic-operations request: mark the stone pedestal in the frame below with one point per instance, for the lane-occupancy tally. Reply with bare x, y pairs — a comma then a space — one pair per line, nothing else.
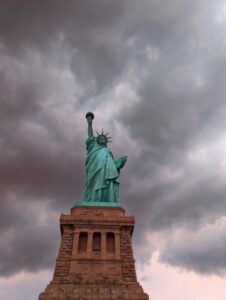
95, 259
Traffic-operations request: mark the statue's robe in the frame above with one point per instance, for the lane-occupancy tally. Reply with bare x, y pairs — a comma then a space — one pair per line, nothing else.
102, 175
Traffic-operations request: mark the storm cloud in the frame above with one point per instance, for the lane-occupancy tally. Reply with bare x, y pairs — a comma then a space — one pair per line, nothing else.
154, 75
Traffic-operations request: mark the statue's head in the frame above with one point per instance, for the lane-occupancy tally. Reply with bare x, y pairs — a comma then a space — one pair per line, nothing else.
102, 138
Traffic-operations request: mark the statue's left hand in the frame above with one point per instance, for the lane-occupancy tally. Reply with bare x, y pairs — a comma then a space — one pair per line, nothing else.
121, 162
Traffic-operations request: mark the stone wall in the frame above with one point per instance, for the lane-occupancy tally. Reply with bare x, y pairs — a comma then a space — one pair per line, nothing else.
65, 252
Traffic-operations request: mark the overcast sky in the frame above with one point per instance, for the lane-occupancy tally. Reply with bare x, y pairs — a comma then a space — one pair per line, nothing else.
154, 74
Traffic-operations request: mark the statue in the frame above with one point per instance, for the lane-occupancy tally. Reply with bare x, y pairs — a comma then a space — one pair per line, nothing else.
102, 170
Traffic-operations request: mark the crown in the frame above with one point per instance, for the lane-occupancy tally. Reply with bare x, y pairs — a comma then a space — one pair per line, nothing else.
105, 135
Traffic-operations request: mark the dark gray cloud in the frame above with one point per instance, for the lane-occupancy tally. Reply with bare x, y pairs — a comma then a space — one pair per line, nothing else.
201, 251
26, 230
88, 31
165, 70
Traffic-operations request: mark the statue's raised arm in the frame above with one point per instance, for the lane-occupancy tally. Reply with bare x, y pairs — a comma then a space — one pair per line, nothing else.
102, 170
89, 118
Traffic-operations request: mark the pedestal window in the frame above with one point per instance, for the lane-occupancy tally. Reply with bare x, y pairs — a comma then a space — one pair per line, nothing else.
82, 245
110, 242
96, 242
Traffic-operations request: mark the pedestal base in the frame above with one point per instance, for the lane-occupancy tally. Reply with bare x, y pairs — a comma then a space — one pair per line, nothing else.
93, 292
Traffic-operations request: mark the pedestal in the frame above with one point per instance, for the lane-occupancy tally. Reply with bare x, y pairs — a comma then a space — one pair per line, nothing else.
95, 259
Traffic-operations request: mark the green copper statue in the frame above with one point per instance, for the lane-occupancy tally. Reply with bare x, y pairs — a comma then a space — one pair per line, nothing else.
102, 170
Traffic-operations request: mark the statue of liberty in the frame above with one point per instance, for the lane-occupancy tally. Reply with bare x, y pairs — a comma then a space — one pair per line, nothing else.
102, 170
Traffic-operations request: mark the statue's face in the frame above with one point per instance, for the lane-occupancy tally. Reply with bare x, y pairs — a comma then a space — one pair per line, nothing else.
102, 140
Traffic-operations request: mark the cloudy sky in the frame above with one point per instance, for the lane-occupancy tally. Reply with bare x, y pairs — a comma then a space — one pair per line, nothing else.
154, 74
